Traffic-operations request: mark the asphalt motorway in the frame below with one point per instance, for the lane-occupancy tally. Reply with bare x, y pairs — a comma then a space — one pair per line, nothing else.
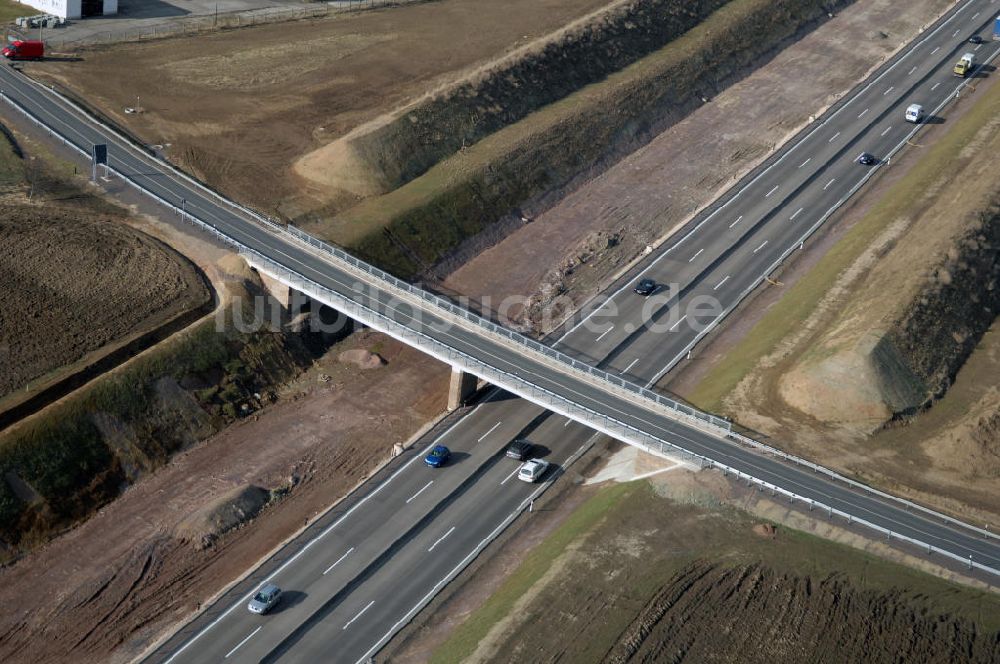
368, 572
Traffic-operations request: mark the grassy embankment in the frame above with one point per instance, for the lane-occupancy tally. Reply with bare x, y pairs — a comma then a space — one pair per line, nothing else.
801, 299
79, 453
414, 226
625, 543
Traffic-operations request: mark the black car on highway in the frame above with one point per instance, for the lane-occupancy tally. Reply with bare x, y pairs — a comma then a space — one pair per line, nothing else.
520, 449
867, 159
645, 287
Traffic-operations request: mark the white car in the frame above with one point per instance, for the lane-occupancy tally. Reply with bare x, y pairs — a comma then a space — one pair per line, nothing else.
532, 470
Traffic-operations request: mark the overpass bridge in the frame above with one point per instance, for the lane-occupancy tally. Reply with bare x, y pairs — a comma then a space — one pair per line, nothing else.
471, 344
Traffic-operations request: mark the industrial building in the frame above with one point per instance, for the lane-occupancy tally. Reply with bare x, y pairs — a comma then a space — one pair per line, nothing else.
74, 8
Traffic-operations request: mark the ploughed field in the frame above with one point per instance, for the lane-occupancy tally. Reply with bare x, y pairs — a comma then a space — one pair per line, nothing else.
659, 572
74, 283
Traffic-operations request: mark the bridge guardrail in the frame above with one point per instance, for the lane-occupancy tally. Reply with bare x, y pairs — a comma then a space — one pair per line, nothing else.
500, 331
661, 446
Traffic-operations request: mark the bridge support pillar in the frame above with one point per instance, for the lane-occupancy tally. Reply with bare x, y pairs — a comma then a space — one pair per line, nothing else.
462, 386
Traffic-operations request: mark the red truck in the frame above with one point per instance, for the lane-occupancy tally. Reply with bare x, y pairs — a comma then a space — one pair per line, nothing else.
24, 50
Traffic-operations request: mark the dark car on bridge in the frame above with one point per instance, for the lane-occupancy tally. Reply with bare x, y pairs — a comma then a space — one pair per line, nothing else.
645, 287
975, 39
438, 456
867, 159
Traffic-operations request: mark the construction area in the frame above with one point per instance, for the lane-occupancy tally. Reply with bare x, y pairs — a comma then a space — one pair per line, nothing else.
534, 149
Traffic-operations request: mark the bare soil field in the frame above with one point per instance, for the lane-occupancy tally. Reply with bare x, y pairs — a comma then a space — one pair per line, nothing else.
106, 589
576, 247
77, 279
631, 575
238, 108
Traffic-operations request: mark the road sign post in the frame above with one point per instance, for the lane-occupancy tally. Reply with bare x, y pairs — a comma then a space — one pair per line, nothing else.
99, 155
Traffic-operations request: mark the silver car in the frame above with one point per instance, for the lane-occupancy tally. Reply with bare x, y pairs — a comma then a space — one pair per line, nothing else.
264, 599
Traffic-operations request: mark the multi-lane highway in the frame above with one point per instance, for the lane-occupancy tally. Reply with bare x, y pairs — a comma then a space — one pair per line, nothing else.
350, 586
722, 254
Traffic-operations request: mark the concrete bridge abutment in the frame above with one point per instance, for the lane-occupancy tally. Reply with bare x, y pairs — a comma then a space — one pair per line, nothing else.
463, 386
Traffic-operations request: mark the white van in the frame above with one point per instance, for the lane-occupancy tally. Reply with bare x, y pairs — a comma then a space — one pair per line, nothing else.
914, 113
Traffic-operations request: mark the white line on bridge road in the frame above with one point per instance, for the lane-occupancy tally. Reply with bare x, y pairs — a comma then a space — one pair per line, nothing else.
891, 88
512, 473
605, 332
912, 70
419, 492
441, 539
736, 222
772, 191
956, 32
936, 49
862, 113
696, 255
488, 432
674, 326
829, 183
567, 422
978, 47
797, 212
805, 162
241, 643
935, 86
630, 365
976, 14
367, 606
760, 247
339, 560
834, 137
887, 130
719, 285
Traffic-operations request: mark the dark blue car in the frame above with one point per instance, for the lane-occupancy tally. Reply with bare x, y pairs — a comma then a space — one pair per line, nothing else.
438, 456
